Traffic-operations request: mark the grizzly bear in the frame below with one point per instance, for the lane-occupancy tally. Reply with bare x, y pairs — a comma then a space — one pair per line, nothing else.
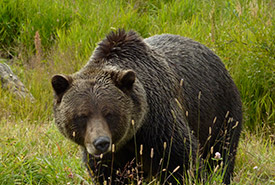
150, 108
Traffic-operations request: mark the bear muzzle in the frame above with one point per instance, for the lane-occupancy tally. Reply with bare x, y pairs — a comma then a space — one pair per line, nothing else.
97, 137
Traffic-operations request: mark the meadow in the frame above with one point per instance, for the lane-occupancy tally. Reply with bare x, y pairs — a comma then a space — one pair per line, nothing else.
39, 38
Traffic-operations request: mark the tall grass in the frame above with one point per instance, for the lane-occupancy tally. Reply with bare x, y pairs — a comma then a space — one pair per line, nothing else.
38, 154
241, 32
20, 20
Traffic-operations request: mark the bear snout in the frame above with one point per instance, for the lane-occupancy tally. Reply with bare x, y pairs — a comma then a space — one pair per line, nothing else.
98, 138
102, 143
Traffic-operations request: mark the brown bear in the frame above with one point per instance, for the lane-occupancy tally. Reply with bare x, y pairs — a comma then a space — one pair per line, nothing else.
150, 107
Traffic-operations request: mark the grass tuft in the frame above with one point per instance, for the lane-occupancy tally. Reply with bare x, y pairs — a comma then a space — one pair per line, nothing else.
41, 38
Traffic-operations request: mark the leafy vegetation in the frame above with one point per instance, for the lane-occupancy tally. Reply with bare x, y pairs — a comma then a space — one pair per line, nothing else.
44, 37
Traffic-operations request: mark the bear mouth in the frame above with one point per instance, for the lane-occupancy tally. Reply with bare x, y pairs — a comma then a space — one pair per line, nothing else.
98, 155
95, 153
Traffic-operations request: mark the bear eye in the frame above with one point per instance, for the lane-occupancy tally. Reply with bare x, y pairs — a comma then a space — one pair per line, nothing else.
80, 120
110, 118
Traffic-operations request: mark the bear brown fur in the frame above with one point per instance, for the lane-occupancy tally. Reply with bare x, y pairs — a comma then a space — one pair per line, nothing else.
137, 93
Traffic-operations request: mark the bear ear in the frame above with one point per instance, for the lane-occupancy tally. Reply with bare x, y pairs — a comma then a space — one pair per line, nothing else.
60, 84
124, 79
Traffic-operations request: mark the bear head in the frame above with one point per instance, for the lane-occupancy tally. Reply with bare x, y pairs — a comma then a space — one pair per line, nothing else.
95, 108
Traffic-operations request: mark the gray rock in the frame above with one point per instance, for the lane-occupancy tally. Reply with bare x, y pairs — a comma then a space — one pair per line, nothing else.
10, 82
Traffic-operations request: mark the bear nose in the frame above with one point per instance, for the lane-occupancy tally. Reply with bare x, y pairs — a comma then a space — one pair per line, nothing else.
102, 143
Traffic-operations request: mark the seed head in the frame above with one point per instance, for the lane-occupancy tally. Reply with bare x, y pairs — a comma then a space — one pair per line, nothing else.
164, 145
176, 169
152, 153
113, 148
235, 125
216, 169
181, 82
215, 119
177, 101
227, 114
211, 150
141, 149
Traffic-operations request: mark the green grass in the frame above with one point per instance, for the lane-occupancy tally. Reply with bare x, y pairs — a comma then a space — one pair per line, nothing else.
241, 32
39, 154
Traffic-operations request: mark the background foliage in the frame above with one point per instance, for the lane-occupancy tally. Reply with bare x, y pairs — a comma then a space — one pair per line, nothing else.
44, 37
